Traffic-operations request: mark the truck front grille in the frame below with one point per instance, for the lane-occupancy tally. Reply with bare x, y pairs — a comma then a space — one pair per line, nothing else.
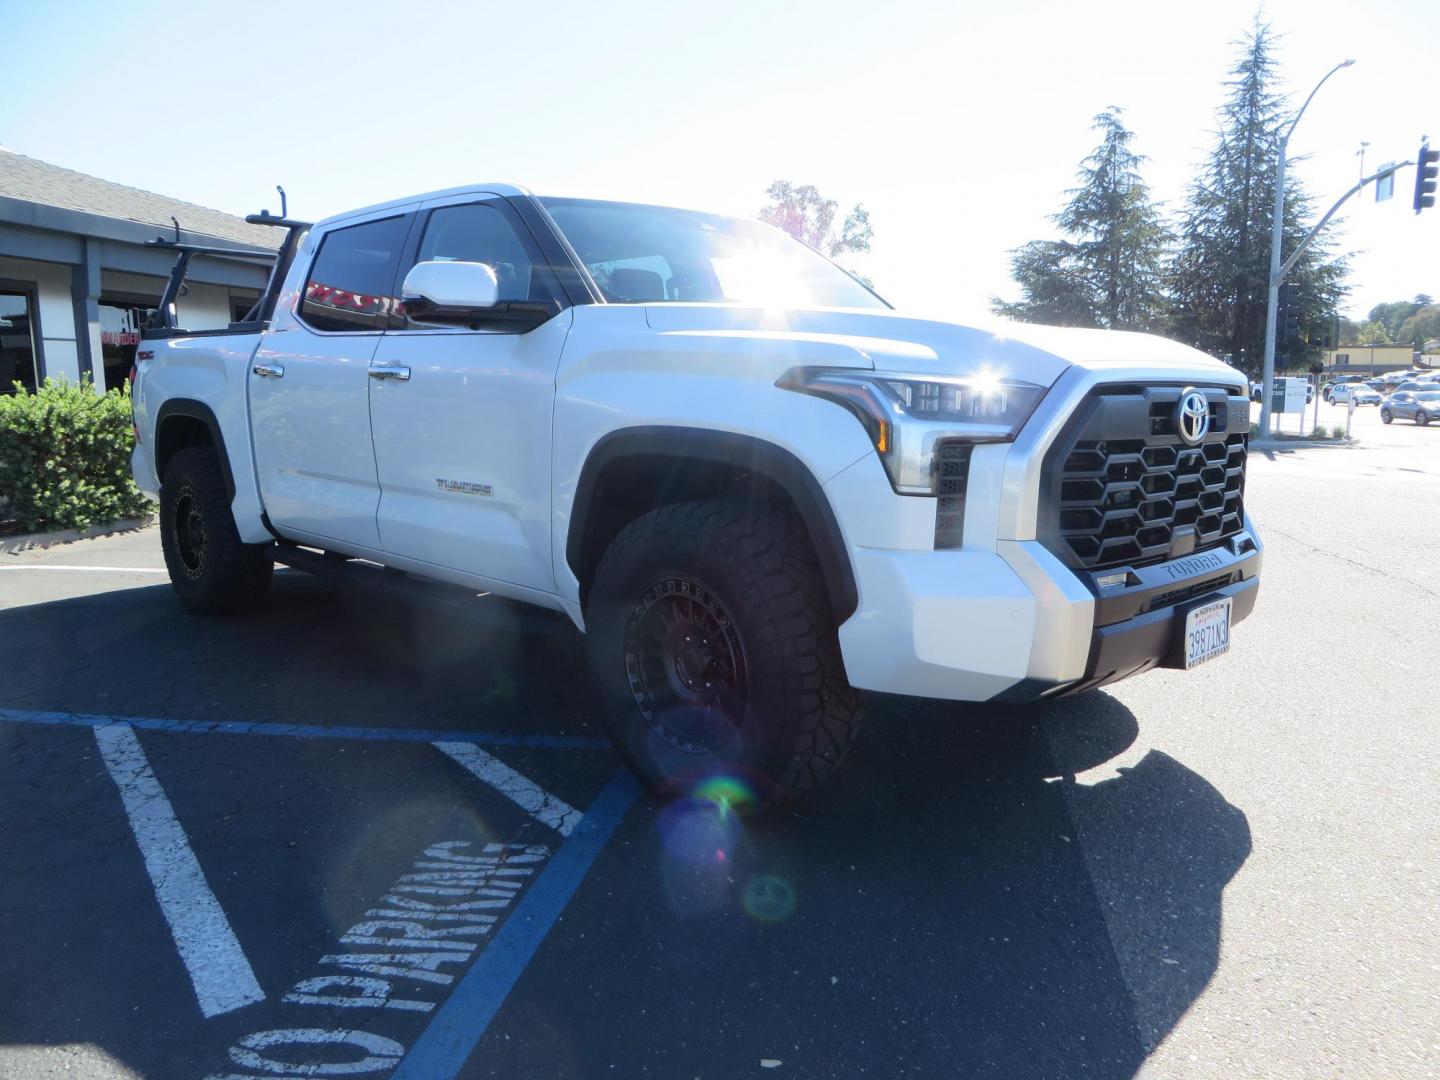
1122, 489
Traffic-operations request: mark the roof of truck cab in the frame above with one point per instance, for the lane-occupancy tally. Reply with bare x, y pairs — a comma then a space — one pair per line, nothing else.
511, 190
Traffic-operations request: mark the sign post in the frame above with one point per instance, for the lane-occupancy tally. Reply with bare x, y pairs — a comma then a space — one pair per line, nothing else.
1289, 397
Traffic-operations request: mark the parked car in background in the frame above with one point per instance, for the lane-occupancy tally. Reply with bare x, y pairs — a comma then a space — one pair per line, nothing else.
1342, 393
1343, 380
1392, 379
1422, 406
1415, 384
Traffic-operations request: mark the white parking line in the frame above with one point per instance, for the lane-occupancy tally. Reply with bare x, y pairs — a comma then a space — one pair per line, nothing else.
91, 569
219, 971
519, 789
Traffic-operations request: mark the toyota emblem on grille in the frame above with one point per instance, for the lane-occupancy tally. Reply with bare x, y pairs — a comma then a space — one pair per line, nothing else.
1192, 416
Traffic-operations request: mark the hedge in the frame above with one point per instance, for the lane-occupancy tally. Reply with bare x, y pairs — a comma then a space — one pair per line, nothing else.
65, 458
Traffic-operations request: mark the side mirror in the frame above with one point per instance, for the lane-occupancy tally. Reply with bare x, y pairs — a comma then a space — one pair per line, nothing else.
467, 294
449, 292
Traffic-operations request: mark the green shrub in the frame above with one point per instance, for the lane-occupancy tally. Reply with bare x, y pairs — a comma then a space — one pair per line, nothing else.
65, 457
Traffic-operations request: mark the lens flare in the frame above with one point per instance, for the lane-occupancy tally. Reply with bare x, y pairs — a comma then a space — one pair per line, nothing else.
731, 794
769, 899
698, 831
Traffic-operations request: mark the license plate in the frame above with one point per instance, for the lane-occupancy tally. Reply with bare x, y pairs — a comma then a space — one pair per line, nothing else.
1207, 632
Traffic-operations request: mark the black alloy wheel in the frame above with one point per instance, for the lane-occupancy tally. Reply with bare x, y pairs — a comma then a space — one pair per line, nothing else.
189, 532
685, 665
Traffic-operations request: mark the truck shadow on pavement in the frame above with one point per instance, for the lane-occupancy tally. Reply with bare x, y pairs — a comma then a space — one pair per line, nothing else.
974, 893
953, 903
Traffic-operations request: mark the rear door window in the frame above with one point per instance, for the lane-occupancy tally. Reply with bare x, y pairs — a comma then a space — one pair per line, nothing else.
350, 279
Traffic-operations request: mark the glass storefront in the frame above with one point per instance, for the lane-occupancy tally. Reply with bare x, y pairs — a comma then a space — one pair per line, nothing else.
120, 325
17, 342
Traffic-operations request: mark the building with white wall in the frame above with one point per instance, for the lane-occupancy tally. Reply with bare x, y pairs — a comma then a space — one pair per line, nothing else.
77, 281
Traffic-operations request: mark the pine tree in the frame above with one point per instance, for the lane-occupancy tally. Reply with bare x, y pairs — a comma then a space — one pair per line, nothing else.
1109, 271
1221, 272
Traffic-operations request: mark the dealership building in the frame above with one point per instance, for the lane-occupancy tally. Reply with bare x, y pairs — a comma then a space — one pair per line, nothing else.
77, 281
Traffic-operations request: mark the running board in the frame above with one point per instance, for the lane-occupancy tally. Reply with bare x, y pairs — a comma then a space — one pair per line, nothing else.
483, 609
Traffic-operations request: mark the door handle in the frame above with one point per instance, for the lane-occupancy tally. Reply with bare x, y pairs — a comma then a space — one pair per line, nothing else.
275, 370
390, 371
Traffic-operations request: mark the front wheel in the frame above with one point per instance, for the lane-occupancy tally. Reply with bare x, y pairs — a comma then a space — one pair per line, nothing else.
1422, 418
713, 647
212, 569
1385, 416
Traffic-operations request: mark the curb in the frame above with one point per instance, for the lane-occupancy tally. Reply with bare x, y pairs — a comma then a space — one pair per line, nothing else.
11, 545
1304, 444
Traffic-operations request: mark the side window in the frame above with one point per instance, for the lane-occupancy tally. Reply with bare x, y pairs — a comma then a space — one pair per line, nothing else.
483, 233
350, 279
638, 280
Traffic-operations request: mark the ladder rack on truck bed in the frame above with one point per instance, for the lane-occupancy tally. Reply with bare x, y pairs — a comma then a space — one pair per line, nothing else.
164, 323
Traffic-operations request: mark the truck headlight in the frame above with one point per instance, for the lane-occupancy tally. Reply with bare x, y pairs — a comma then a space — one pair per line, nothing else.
907, 415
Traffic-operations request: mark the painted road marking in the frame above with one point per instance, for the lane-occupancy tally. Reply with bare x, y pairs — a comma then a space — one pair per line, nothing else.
92, 569
443, 1047
222, 977
439, 913
304, 731
448, 891
516, 787
380, 1053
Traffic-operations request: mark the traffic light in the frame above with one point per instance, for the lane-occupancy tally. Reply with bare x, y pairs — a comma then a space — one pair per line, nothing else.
1425, 172
1287, 318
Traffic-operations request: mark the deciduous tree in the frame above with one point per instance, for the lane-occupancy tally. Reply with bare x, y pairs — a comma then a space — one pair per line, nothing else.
807, 215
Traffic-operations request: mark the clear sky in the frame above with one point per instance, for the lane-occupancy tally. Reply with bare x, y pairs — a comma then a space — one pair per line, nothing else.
959, 126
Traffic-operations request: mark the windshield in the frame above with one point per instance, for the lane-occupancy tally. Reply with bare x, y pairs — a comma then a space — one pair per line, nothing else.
650, 254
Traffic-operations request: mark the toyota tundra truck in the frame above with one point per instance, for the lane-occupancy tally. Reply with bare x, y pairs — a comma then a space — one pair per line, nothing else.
755, 487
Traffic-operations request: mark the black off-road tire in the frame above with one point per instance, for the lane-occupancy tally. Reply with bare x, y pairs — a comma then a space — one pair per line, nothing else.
751, 577
212, 570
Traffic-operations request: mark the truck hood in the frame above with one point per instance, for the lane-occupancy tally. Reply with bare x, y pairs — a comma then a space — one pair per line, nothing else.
890, 341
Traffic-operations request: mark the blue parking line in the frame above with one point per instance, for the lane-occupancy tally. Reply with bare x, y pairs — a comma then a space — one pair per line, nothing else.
304, 731
457, 1028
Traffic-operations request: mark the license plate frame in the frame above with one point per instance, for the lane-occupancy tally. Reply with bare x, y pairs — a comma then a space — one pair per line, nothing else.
1205, 632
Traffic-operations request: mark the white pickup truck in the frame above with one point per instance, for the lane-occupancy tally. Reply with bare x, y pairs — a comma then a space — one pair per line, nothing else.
753, 485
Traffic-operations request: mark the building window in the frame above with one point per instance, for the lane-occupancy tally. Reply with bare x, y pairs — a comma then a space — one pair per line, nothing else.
120, 325
1342, 358
17, 342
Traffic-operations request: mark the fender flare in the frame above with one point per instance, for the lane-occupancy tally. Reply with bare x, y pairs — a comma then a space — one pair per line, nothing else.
745, 452
195, 410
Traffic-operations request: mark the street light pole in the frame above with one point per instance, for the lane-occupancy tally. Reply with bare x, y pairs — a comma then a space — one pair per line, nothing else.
1276, 229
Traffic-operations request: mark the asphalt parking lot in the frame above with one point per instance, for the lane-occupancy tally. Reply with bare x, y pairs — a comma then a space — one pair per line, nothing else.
342, 837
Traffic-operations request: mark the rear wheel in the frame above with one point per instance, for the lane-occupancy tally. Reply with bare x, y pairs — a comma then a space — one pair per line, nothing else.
212, 570
713, 646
